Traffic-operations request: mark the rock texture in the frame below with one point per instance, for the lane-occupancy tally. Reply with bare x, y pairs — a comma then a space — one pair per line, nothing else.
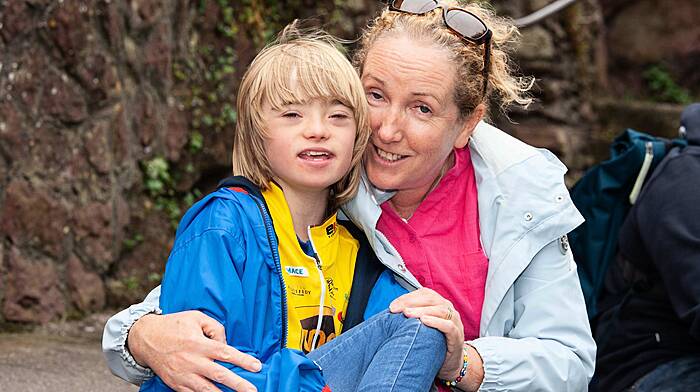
116, 114
32, 292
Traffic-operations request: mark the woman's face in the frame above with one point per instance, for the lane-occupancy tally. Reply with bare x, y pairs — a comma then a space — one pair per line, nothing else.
415, 121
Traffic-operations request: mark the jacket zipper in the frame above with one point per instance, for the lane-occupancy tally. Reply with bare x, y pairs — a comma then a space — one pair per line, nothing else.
317, 259
275, 255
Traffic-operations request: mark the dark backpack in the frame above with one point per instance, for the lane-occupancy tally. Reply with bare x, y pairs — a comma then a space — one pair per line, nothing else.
604, 196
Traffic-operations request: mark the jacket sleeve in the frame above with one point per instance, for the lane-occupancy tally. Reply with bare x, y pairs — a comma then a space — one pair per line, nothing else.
549, 347
114, 347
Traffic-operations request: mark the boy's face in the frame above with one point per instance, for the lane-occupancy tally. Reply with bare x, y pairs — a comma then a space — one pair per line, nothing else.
309, 145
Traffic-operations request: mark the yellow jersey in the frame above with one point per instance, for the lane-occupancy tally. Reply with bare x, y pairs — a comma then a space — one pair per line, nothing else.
317, 288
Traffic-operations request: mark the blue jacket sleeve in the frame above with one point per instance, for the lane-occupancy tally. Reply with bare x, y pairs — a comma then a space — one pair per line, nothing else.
385, 290
207, 271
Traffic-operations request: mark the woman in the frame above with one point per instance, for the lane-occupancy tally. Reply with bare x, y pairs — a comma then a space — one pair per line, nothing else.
479, 217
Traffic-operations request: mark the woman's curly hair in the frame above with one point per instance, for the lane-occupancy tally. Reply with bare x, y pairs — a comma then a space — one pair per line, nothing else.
503, 87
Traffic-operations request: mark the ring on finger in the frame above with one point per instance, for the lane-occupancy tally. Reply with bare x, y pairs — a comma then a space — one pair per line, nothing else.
449, 313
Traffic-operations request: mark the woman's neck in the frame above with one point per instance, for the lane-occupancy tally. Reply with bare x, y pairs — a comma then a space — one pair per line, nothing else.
406, 202
307, 209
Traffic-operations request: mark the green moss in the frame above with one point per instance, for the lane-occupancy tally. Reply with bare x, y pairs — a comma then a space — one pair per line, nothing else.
662, 86
154, 277
133, 242
158, 177
160, 185
196, 142
131, 283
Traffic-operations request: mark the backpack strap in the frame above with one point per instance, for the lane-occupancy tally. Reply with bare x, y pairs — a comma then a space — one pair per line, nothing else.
646, 165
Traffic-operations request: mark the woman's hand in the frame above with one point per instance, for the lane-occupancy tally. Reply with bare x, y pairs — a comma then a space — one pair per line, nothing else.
437, 312
181, 348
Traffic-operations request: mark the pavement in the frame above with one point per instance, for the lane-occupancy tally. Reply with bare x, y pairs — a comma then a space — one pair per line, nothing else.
41, 362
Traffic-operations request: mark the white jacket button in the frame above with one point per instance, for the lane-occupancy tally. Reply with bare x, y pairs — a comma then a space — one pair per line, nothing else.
564, 244
528, 216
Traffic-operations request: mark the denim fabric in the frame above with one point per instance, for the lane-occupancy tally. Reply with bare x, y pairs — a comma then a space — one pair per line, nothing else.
679, 375
387, 352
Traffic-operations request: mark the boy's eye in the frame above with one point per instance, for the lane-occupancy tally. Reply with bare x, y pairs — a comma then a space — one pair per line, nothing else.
290, 114
340, 115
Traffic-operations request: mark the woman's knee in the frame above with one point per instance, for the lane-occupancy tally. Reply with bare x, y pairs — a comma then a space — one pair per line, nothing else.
431, 335
424, 334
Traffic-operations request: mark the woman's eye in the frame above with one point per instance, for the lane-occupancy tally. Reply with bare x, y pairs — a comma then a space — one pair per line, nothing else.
375, 95
424, 109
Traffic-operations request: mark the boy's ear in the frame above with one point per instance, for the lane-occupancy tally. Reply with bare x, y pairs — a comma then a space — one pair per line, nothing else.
469, 125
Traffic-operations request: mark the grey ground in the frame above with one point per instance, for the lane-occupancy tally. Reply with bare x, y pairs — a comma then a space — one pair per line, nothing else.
61, 357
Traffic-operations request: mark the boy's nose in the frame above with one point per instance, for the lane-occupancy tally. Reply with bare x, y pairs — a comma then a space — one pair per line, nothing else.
316, 129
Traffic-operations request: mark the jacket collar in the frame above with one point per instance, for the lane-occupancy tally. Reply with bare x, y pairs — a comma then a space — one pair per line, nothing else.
324, 237
241, 183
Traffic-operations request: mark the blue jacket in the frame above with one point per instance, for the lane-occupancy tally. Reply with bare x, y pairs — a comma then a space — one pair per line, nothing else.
225, 263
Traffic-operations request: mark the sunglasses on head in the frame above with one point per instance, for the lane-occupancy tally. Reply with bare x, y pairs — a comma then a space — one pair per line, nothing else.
460, 21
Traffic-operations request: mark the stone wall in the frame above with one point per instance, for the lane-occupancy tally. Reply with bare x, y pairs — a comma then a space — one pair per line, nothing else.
563, 53
116, 114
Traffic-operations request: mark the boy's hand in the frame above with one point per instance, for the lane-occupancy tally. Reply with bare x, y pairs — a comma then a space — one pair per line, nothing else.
181, 348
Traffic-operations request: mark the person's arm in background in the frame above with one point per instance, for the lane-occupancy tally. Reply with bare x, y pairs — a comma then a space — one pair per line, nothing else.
549, 348
668, 218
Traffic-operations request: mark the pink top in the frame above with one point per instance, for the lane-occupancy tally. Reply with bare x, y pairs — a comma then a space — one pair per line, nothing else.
440, 243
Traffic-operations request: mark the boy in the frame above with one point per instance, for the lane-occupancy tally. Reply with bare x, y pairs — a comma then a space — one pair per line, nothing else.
265, 256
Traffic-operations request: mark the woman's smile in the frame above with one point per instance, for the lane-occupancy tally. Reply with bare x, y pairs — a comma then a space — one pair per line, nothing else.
386, 156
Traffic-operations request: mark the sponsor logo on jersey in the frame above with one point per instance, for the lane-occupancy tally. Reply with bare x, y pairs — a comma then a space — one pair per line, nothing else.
299, 291
331, 287
309, 324
341, 318
330, 230
296, 271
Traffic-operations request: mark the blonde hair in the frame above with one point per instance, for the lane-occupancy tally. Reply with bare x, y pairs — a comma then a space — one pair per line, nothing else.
467, 57
320, 70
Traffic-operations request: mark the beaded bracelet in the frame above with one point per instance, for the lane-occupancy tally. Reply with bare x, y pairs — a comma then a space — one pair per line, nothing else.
462, 372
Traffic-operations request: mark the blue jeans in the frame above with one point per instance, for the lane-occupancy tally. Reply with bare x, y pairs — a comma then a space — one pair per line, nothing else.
679, 375
387, 352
